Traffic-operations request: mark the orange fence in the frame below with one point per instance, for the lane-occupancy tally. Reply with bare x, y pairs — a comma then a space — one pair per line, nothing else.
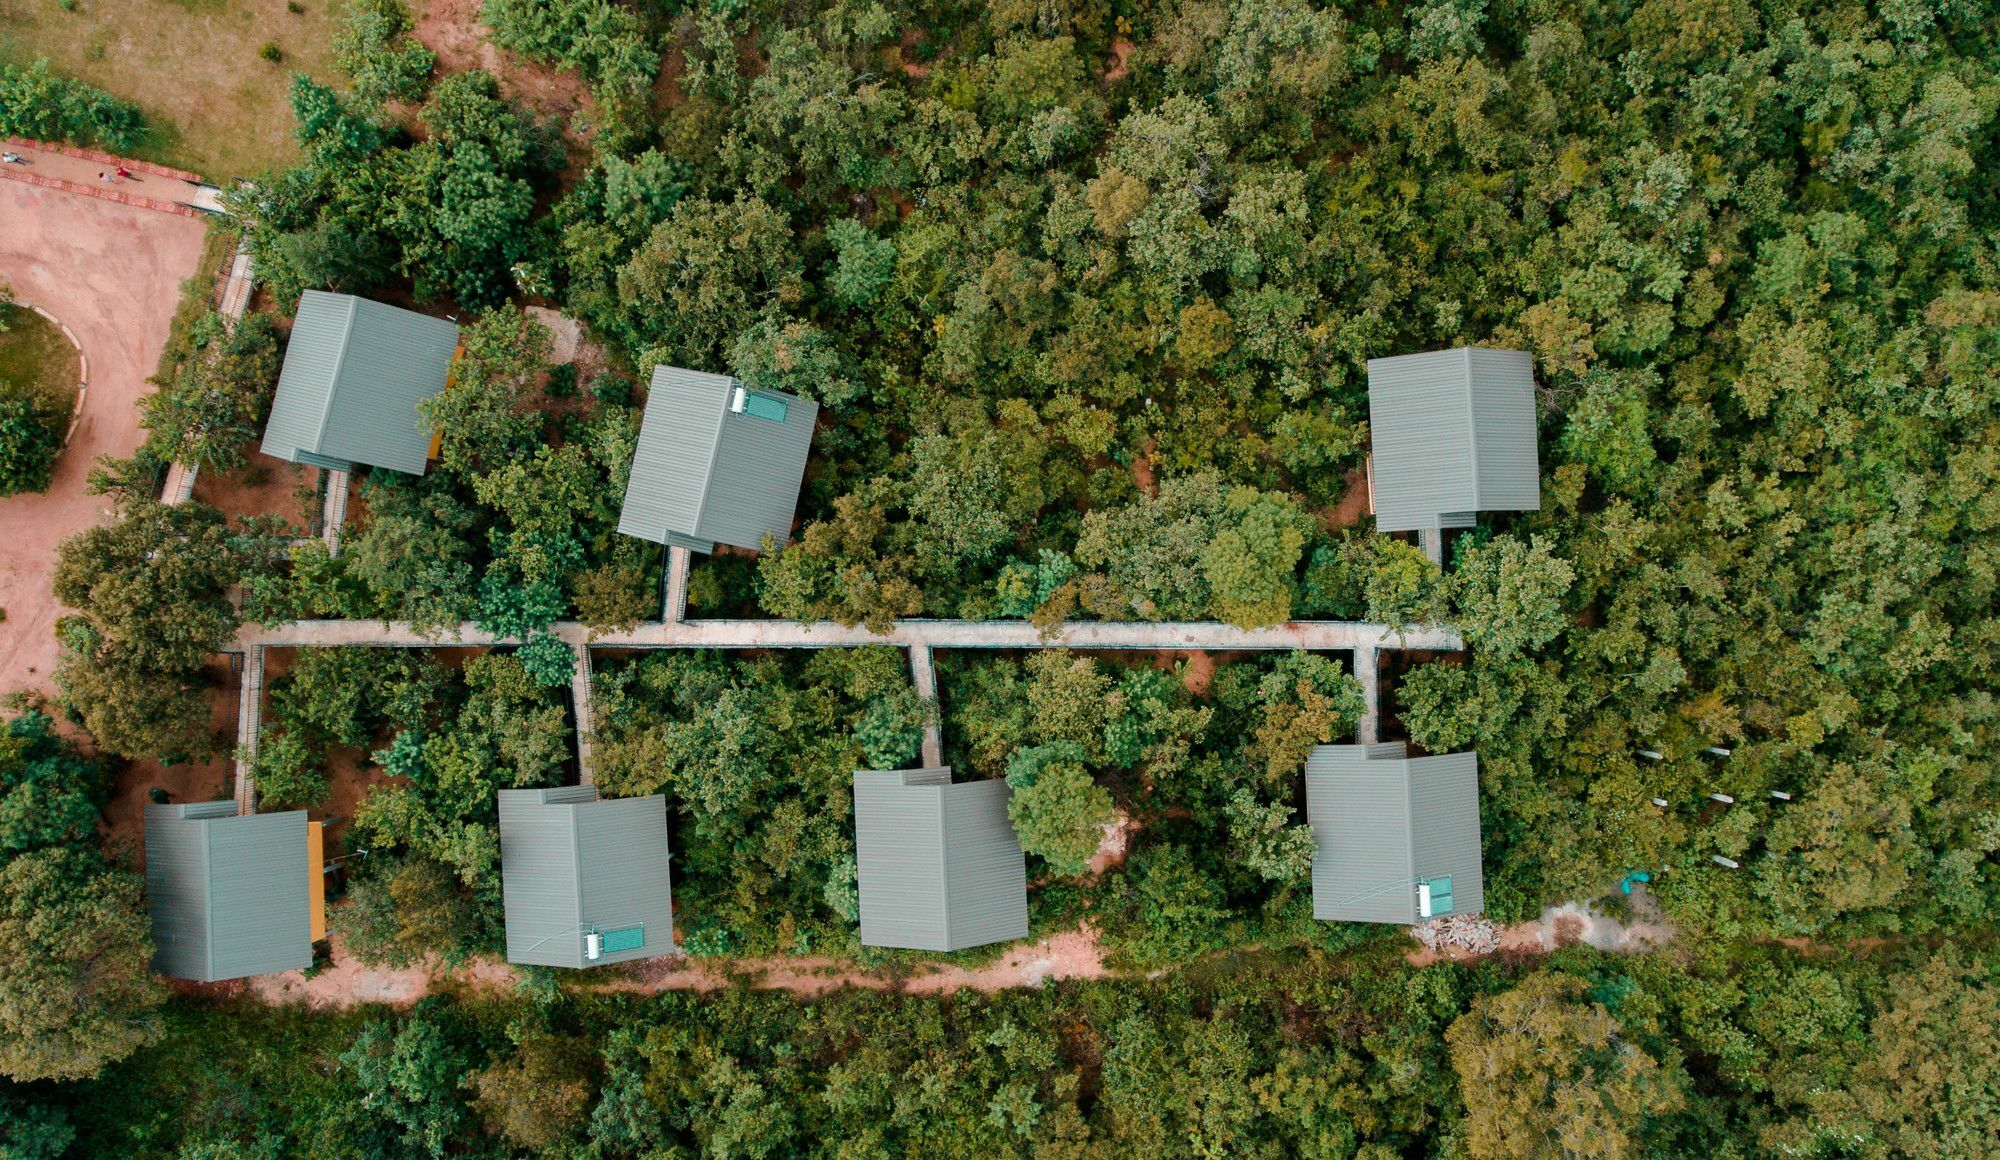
117, 195
103, 158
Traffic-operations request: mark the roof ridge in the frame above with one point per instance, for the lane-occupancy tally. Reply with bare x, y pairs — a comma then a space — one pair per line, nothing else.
207, 905
944, 866
714, 448
1471, 433
576, 872
339, 360
1409, 829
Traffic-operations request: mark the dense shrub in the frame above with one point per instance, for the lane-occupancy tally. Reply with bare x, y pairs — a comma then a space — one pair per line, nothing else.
37, 103
31, 436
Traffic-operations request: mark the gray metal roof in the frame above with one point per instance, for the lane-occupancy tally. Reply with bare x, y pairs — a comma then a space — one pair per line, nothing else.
571, 863
1453, 434
1382, 822
938, 864
228, 893
355, 371
705, 474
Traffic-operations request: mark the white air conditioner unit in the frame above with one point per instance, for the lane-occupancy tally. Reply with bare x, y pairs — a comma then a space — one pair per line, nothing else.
593, 947
737, 398
1423, 900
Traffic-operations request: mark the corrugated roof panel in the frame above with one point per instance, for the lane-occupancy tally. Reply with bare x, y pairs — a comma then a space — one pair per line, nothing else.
1420, 426
312, 362
260, 917
622, 862
177, 893
1444, 826
1358, 808
538, 881
354, 373
227, 894
1503, 409
986, 875
676, 453
899, 862
704, 474
1453, 433
759, 465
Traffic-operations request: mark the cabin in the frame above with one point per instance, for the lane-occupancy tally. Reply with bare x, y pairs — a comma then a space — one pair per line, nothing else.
1453, 435
937, 862
232, 895
1395, 837
584, 879
717, 463
354, 373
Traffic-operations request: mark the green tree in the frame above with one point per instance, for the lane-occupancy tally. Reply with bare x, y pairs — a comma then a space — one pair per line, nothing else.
698, 281
842, 569
1509, 595
1546, 1072
539, 1098
863, 264
1249, 565
152, 590
37, 103
1305, 700
375, 48
49, 795
217, 401
31, 436
1270, 847
407, 1075
76, 987
1057, 810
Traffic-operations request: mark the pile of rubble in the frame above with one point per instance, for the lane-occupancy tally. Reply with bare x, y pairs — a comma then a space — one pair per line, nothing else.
1459, 934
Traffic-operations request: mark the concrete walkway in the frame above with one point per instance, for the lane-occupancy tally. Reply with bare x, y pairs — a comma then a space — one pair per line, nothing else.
919, 637
1147, 636
923, 675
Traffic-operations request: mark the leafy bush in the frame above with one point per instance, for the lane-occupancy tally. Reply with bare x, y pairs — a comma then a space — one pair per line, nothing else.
216, 402
31, 437
375, 48
35, 102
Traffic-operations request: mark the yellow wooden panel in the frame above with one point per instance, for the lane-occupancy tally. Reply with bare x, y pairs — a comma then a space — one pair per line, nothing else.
316, 879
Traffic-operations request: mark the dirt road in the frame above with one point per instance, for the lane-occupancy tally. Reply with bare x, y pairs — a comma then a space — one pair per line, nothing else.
112, 273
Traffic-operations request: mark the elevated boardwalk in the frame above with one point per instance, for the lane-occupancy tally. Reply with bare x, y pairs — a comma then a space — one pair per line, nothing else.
1147, 636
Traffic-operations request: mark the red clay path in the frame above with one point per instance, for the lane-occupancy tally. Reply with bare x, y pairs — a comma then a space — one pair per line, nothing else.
112, 273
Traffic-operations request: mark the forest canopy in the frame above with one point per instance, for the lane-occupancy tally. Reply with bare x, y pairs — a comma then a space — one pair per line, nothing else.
1086, 295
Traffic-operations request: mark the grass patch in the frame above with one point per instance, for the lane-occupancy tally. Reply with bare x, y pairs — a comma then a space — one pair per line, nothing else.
36, 360
216, 105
